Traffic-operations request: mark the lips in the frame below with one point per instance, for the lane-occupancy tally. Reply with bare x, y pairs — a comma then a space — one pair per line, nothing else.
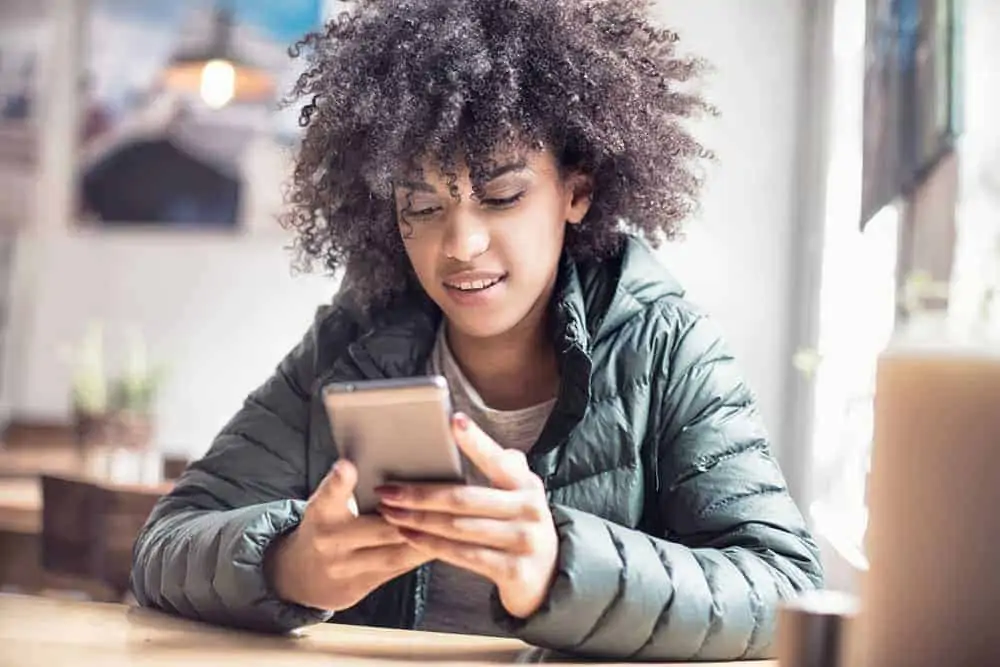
474, 285
477, 282
474, 289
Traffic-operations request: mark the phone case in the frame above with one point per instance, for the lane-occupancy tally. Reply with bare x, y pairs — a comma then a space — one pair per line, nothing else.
394, 430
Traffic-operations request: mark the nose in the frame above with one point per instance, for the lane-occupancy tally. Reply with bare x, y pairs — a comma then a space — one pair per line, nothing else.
467, 237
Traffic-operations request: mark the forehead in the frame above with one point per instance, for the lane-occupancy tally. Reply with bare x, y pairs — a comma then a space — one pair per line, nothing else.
433, 172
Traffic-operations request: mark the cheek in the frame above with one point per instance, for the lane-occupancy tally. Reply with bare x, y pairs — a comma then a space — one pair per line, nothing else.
420, 253
545, 226
533, 242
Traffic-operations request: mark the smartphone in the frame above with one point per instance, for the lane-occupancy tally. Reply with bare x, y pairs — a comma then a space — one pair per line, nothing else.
395, 430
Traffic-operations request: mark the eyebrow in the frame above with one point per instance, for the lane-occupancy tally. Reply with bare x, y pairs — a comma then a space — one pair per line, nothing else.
416, 186
502, 170
505, 169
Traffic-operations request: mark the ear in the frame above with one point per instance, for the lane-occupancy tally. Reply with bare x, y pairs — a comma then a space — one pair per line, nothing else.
580, 194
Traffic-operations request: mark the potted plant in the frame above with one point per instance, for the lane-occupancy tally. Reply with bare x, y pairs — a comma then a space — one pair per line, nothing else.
133, 395
88, 387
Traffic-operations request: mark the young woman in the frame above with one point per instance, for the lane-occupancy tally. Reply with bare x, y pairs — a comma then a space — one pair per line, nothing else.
492, 175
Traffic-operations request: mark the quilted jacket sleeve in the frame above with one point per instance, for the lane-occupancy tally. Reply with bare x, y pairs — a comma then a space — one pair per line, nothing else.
202, 549
734, 543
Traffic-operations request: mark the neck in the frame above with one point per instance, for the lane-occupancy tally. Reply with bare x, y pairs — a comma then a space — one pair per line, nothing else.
515, 370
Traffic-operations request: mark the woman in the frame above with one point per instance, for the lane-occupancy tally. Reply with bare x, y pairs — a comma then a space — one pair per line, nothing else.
492, 174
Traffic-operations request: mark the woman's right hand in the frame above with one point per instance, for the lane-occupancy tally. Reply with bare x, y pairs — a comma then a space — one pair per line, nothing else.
334, 558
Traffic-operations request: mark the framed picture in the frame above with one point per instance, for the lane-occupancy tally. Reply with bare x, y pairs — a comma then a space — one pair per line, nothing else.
913, 92
180, 126
25, 30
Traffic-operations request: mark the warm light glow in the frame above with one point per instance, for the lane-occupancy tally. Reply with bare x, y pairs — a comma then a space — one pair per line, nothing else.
218, 83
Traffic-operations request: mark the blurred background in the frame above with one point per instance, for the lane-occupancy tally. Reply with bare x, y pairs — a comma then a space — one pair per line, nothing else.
146, 287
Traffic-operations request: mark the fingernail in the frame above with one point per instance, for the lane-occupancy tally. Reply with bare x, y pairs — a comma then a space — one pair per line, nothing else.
389, 491
461, 421
392, 512
337, 469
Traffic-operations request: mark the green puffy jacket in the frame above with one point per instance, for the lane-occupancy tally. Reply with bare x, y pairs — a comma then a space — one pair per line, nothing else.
678, 537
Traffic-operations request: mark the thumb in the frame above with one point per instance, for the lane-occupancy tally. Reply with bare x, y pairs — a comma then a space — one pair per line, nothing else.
333, 499
504, 468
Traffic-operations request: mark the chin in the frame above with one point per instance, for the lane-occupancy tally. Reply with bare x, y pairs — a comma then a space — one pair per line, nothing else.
490, 314
482, 325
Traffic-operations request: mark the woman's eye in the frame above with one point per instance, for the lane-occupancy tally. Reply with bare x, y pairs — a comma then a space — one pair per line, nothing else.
502, 202
426, 211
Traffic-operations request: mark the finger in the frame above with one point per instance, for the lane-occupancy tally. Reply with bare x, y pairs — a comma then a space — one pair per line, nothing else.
504, 468
463, 500
381, 563
333, 501
495, 565
359, 534
512, 536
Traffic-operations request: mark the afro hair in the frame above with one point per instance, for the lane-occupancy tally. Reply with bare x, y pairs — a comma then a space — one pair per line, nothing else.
390, 83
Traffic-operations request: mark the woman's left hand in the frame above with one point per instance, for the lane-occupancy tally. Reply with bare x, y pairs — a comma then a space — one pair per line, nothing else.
504, 533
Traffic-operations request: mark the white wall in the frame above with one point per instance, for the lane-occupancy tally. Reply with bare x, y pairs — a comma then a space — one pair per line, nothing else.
982, 82
737, 260
220, 312
223, 311
979, 223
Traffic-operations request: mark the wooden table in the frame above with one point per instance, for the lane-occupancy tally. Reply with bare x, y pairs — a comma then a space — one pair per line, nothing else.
38, 631
21, 505
40, 458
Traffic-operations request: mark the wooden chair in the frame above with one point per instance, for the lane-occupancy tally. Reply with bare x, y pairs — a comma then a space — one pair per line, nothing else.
174, 466
89, 528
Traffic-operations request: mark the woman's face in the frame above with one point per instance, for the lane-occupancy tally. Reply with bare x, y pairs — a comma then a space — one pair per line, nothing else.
490, 260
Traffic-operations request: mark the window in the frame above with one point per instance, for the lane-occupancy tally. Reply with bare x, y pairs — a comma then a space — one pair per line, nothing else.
856, 312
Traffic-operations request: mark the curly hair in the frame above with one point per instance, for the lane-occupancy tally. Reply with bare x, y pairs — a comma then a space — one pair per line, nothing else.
391, 83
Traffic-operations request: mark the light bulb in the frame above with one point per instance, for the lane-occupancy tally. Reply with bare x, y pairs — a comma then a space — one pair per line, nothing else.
218, 83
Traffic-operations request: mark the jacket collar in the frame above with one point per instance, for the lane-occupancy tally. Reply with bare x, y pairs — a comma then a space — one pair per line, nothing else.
398, 342
621, 290
571, 337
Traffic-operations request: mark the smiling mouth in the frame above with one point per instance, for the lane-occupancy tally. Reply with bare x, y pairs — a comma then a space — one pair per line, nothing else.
475, 285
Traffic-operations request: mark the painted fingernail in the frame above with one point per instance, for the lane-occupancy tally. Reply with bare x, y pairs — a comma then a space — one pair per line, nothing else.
389, 492
393, 513
337, 469
461, 421
409, 534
